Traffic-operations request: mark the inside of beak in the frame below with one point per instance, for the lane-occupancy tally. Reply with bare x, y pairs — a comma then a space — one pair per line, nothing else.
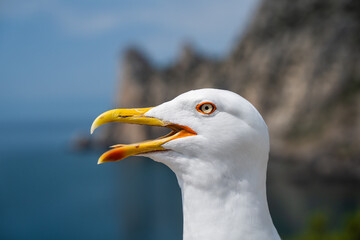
136, 116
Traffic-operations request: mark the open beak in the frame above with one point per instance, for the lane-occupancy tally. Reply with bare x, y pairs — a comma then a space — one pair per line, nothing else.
136, 116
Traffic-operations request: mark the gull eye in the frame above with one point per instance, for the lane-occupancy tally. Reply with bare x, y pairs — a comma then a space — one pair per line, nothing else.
206, 108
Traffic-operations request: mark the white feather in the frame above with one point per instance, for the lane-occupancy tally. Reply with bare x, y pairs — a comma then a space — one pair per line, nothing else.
222, 170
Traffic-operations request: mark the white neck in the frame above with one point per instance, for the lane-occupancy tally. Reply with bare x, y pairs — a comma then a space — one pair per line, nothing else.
227, 207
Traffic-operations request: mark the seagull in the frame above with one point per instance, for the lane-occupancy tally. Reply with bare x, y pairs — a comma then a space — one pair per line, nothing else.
218, 149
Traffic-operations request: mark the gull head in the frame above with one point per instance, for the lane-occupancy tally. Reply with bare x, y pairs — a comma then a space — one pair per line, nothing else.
212, 131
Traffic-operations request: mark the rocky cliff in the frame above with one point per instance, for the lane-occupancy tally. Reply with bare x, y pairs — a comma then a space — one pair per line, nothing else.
298, 63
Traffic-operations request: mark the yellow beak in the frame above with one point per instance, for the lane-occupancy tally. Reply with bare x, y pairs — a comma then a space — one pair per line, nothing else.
136, 116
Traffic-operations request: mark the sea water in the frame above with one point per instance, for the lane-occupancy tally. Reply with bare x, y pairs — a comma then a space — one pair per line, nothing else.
48, 191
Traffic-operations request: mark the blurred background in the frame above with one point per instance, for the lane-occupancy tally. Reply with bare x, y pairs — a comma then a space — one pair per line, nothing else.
63, 62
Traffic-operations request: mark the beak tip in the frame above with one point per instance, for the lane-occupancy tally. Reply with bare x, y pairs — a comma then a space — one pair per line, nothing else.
92, 129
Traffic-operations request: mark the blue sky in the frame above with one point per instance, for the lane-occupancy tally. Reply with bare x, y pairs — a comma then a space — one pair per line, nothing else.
65, 55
